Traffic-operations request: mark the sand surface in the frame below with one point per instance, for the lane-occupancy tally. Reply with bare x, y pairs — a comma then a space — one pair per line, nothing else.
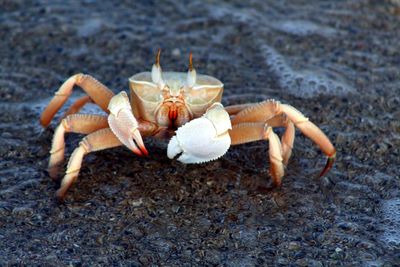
336, 61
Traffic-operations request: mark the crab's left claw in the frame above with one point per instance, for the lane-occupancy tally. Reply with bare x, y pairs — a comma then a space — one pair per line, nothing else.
124, 125
202, 139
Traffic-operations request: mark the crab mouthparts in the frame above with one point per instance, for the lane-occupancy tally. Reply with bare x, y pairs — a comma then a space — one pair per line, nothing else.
172, 114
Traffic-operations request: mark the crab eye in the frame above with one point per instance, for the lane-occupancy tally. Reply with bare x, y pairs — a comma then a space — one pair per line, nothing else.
191, 75
191, 78
156, 72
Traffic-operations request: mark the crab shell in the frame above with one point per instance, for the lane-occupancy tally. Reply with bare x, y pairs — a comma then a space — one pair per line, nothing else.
146, 97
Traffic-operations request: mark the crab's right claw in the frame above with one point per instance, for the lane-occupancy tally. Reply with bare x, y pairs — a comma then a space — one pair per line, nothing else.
202, 139
124, 125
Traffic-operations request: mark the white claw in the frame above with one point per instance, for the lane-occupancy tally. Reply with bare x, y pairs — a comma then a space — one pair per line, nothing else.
124, 125
202, 139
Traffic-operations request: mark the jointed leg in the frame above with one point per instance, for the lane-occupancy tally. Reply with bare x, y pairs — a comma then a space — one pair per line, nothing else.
77, 105
268, 110
99, 140
310, 130
98, 92
259, 112
253, 131
287, 141
235, 109
288, 136
76, 123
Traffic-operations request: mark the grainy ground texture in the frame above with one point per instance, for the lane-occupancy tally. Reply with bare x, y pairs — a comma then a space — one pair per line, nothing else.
336, 61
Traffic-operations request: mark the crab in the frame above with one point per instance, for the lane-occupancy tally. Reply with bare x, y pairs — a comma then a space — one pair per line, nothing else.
185, 107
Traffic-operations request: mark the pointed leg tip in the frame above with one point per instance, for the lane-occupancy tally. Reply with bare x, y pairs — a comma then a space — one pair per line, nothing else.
60, 196
277, 185
328, 165
43, 122
53, 172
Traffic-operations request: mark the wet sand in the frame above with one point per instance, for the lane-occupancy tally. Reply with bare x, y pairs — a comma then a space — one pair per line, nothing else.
337, 62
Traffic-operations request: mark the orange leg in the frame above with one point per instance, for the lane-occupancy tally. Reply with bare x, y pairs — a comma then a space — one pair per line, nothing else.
75, 123
77, 105
287, 141
99, 140
310, 130
95, 141
254, 131
98, 92
234, 109
267, 110
268, 115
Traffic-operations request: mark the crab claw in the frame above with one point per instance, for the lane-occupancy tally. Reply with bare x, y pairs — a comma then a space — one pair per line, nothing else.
124, 125
202, 139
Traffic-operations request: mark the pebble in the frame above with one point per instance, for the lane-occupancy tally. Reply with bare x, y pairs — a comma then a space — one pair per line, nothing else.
294, 245
309, 263
22, 211
213, 257
176, 52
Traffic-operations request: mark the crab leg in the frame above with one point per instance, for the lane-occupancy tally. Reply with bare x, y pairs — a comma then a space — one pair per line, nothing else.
266, 110
77, 105
96, 141
310, 130
99, 140
98, 92
270, 117
287, 141
234, 109
255, 131
76, 123
260, 112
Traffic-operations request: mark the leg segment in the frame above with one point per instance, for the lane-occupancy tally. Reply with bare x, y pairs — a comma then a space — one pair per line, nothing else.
287, 141
76, 123
98, 92
260, 112
253, 131
77, 105
99, 140
268, 111
310, 130
235, 109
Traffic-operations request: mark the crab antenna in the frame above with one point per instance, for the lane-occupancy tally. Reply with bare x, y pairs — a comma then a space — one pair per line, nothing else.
158, 57
190, 61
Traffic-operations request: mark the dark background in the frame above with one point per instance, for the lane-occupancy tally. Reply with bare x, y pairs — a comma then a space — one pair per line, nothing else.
336, 61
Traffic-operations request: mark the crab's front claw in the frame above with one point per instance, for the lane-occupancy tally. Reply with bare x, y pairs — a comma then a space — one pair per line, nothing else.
202, 139
124, 125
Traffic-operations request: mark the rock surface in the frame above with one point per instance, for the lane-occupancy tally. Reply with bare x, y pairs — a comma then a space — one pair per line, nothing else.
336, 61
